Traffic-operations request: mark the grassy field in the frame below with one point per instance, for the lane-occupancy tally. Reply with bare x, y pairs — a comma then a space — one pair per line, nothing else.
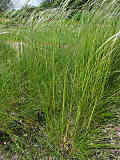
59, 82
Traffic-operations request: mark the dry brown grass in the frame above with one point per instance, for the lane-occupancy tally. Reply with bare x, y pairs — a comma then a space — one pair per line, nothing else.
4, 20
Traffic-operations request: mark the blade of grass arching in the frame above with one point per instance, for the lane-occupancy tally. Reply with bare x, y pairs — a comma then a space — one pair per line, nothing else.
105, 60
114, 38
90, 69
114, 98
104, 67
97, 84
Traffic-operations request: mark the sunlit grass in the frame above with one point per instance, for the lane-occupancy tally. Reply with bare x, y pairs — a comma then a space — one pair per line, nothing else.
61, 70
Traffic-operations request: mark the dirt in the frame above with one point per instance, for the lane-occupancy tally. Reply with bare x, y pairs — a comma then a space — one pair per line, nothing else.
111, 136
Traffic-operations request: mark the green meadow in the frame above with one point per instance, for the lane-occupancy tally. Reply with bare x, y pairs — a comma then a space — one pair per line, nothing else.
59, 84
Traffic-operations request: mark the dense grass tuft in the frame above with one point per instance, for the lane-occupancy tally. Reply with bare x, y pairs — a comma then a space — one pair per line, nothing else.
58, 80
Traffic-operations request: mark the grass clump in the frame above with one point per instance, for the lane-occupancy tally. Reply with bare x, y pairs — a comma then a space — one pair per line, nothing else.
55, 79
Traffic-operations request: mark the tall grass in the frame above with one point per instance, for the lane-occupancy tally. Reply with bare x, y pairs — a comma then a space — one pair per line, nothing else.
57, 81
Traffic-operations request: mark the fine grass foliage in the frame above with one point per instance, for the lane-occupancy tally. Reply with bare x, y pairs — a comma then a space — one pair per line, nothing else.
56, 77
